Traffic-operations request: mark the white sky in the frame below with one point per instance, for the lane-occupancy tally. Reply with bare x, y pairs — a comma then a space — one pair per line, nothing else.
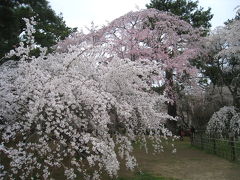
80, 13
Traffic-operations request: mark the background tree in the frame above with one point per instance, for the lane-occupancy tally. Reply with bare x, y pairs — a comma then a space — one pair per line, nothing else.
221, 65
196, 108
222, 58
49, 30
225, 122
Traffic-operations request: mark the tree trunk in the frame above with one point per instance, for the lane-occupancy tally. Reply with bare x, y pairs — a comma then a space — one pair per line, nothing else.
172, 106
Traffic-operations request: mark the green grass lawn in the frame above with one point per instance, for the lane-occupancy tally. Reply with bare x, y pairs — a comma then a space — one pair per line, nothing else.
145, 176
187, 164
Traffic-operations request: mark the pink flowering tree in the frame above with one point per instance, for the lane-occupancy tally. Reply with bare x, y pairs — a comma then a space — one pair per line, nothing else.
76, 112
146, 34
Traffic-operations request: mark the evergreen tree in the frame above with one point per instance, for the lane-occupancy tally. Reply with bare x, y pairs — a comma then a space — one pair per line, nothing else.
50, 27
188, 10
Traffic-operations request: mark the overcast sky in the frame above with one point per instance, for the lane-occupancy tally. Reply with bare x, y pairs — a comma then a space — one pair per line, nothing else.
80, 13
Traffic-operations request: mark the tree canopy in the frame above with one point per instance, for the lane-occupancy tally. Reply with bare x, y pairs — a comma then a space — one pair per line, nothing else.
50, 27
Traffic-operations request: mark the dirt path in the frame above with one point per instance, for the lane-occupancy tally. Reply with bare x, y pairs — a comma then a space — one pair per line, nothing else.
188, 164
